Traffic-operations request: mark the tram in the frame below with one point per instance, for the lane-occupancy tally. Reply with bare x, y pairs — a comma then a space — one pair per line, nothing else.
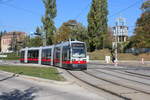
69, 55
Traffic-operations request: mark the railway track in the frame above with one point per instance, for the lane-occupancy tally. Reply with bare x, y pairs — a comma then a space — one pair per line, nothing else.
124, 67
133, 74
138, 74
115, 83
97, 87
135, 66
132, 80
127, 95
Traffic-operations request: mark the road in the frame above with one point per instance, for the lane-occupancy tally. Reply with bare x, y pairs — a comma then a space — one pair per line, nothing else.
18, 88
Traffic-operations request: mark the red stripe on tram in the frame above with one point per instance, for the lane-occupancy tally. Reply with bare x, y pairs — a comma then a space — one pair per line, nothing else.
32, 59
46, 60
79, 62
66, 62
21, 59
56, 60
74, 62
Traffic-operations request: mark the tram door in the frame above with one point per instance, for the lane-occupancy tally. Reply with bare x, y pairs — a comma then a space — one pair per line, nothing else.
46, 57
22, 59
57, 56
65, 56
33, 56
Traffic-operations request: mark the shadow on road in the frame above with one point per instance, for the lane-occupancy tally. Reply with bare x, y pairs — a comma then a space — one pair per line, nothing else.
19, 95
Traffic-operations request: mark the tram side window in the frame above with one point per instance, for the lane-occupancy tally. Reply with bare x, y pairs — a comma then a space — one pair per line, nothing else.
57, 52
43, 54
22, 54
65, 53
33, 54
46, 53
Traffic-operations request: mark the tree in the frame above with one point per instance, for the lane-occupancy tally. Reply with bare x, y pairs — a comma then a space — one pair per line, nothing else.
17, 41
71, 30
35, 42
97, 24
109, 38
141, 38
0, 39
47, 20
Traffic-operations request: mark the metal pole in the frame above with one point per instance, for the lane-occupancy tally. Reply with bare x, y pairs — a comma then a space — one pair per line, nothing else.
116, 41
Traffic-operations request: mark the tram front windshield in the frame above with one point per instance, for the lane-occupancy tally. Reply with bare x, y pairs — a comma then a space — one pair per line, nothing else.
78, 50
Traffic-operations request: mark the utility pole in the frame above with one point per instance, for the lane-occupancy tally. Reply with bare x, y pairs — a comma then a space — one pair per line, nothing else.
116, 43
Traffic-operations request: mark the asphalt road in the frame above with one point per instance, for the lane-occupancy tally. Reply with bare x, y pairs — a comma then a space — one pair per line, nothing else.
18, 88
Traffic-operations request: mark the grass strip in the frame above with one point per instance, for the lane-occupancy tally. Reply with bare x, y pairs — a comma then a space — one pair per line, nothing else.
42, 72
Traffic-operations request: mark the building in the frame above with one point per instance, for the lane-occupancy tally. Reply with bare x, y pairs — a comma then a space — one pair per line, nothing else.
10, 40
120, 32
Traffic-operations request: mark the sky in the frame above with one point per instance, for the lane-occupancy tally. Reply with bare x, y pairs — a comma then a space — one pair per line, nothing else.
25, 15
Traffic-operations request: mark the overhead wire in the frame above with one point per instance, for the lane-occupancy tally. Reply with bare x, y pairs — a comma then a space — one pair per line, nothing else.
5, 1
82, 10
22, 9
122, 10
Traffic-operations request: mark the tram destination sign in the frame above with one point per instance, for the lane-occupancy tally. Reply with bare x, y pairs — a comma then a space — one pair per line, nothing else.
78, 44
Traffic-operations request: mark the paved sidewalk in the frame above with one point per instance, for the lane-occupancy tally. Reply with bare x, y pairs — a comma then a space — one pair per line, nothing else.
22, 87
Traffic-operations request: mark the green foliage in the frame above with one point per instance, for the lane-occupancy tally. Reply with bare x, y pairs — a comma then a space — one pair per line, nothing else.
34, 41
48, 73
71, 30
141, 38
38, 30
17, 41
47, 20
97, 24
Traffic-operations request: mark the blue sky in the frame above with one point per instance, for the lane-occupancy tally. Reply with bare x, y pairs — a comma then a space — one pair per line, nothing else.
25, 15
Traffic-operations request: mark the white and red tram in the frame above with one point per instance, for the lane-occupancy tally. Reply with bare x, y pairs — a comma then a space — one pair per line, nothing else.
69, 55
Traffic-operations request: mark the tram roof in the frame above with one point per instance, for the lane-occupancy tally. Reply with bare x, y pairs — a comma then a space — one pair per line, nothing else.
68, 42
45, 47
37, 48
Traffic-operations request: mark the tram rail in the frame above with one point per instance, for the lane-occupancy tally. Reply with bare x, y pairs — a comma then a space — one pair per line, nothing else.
115, 83
103, 89
124, 78
131, 90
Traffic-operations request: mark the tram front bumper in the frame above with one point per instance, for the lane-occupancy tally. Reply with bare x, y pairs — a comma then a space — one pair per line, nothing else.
79, 66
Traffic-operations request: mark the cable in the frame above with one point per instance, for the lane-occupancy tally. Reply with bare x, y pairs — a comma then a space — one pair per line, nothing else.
130, 6
20, 8
82, 10
6, 1
4, 26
